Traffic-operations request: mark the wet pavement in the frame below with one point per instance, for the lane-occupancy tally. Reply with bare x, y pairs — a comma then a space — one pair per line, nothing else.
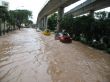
29, 56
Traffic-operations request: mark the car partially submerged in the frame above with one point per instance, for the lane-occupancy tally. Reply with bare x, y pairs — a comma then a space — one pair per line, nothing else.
46, 32
63, 37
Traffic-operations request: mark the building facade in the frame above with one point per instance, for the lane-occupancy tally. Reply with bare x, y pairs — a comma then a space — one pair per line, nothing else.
4, 4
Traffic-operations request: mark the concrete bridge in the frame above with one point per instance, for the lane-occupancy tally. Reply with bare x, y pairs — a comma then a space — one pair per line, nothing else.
51, 7
59, 5
89, 7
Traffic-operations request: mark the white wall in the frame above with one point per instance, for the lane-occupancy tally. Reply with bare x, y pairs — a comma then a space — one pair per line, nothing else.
4, 3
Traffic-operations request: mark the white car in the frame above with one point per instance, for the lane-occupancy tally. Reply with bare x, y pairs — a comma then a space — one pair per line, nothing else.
38, 30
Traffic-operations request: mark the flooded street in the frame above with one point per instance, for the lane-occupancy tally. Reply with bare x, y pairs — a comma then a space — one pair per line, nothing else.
29, 56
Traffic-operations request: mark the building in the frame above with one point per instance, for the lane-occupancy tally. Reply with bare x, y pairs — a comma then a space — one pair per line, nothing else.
4, 4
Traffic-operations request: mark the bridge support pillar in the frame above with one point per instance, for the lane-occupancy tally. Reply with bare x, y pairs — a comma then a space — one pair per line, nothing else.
46, 22
38, 24
91, 13
41, 24
59, 19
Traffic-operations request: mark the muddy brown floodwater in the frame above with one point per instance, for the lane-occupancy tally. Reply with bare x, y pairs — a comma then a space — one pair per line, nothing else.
29, 56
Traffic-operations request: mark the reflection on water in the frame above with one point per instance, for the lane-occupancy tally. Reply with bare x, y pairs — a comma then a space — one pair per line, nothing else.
29, 56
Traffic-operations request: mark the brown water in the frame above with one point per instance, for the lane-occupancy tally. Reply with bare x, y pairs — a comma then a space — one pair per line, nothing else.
29, 56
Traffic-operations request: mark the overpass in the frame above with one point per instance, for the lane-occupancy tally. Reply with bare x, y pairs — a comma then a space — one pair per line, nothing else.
89, 6
51, 7
54, 5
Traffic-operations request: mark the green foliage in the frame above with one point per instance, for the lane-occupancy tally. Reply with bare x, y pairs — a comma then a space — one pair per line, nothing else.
21, 16
18, 17
4, 15
67, 23
12, 19
108, 50
87, 29
52, 22
28, 22
77, 26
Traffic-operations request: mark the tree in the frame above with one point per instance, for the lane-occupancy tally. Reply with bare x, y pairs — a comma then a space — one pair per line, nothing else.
12, 18
20, 17
3, 17
67, 23
3, 13
28, 22
52, 21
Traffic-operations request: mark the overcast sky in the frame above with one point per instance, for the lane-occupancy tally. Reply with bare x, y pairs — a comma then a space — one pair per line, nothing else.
34, 6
